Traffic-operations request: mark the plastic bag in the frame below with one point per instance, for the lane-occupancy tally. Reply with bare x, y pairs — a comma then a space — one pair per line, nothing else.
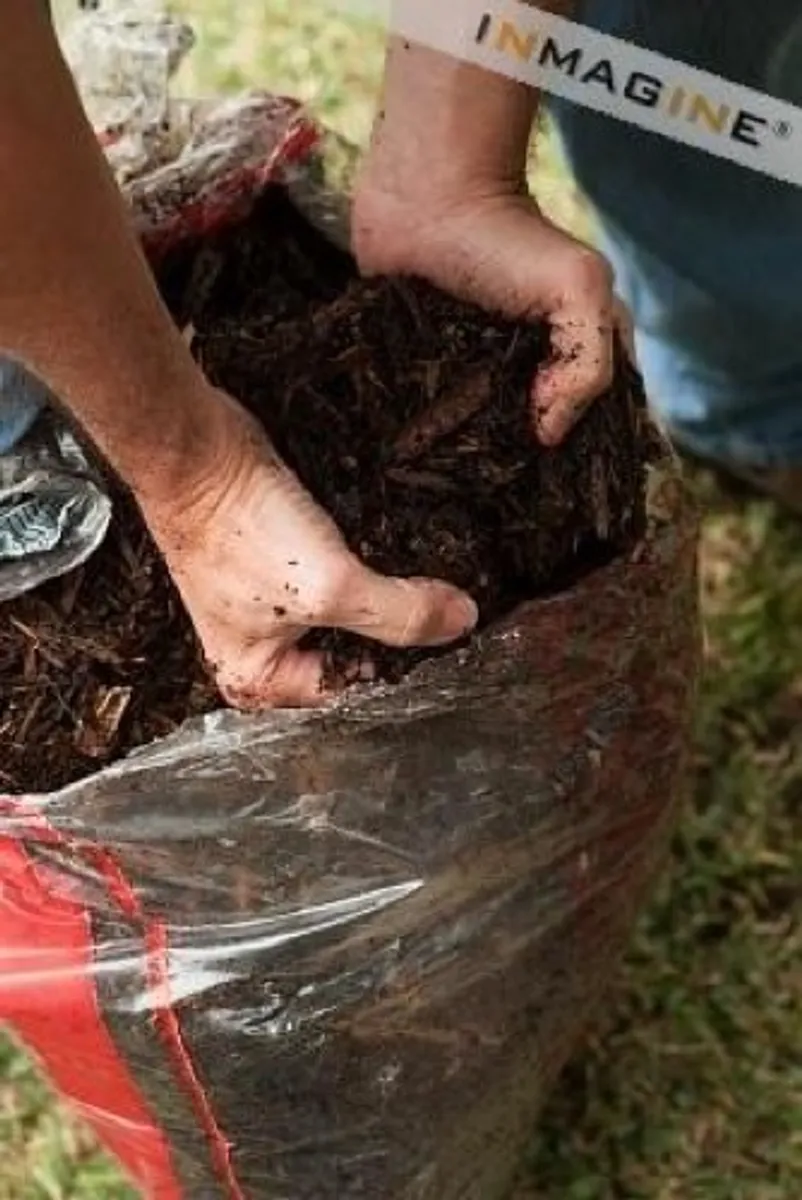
184, 167
344, 954
238, 146
123, 55
54, 510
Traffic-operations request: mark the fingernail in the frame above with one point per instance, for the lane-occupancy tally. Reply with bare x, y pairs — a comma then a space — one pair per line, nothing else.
463, 614
549, 429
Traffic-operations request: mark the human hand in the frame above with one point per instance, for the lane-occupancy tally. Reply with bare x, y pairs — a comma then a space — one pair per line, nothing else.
493, 246
258, 565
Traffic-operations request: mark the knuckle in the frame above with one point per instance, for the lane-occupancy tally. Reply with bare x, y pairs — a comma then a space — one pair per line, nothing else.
417, 619
590, 274
250, 693
236, 690
242, 700
328, 588
242, 679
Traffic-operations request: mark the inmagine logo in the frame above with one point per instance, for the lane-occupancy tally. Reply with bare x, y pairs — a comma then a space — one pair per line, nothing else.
533, 45
613, 77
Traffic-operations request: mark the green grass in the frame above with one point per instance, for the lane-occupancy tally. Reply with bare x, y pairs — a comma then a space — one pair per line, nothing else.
692, 1090
45, 1156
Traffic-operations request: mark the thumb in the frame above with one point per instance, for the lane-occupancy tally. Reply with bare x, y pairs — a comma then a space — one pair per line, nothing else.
405, 612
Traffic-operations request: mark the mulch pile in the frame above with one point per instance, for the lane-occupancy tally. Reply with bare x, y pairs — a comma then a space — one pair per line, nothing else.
407, 416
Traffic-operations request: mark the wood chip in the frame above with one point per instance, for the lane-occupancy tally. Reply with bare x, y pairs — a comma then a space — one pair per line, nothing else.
454, 408
98, 728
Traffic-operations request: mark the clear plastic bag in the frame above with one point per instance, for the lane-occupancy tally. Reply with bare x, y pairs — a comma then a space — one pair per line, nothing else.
345, 954
183, 167
237, 147
123, 55
54, 509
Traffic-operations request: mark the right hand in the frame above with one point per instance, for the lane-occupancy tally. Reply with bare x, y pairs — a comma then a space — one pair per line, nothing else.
492, 246
258, 565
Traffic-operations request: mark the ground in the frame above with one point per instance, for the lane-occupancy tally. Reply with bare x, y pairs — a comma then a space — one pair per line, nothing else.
693, 1088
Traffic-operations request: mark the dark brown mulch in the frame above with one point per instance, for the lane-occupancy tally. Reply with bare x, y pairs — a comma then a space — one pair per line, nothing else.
404, 412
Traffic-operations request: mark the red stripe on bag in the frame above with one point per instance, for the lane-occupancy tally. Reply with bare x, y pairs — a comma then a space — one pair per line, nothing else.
37, 917
165, 1017
230, 200
47, 997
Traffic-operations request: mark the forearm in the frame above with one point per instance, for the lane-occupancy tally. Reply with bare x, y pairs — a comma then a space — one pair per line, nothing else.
77, 302
449, 125
446, 125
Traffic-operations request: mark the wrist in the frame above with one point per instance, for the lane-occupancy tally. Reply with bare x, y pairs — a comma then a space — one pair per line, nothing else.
408, 233
170, 461
446, 127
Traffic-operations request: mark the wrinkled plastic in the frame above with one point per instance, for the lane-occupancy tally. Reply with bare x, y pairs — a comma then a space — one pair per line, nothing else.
185, 167
344, 954
319, 184
124, 55
238, 146
54, 510
375, 933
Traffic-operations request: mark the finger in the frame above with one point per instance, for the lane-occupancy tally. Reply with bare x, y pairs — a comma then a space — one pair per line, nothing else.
581, 370
274, 676
582, 343
404, 612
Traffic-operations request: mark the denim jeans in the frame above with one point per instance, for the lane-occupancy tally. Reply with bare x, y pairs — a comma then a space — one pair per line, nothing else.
707, 254
22, 398
726, 380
